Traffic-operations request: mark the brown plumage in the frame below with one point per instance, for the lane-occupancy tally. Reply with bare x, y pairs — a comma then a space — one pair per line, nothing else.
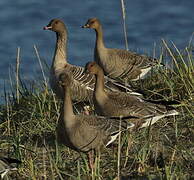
122, 104
118, 63
82, 83
85, 132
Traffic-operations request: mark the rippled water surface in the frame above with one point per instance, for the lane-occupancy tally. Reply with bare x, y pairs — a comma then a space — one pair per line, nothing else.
147, 22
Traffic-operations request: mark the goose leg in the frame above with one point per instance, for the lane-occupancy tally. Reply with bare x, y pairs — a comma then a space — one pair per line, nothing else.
91, 159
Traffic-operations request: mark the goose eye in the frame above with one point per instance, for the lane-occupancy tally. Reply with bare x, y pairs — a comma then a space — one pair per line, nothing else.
56, 22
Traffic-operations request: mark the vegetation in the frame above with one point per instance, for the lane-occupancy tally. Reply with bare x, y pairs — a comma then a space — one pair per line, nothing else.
164, 151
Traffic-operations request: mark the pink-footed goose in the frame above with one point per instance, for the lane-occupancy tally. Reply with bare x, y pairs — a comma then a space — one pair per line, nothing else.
82, 84
118, 63
85, 133
7, 165
122, 104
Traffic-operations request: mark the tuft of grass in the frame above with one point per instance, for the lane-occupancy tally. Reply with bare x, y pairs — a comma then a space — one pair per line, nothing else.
164, 151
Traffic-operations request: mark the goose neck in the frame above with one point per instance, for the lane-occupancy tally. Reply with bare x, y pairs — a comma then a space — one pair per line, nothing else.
60, 56
67, 108
99, 85
99, 38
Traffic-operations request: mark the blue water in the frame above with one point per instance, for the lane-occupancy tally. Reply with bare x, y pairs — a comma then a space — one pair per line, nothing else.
147, 22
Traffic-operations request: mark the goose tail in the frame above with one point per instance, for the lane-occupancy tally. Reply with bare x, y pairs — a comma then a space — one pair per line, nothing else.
153, 119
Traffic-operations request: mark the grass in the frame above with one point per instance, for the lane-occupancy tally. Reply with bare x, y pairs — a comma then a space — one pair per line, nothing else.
164, 151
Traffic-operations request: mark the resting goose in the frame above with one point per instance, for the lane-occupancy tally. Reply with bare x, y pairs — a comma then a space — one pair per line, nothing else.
123, 104
118, 63
7, 165
82, 83
81, 132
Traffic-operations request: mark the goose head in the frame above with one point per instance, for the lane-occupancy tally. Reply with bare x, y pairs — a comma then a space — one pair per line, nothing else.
92, 23
65, 80
55, 25
93, 68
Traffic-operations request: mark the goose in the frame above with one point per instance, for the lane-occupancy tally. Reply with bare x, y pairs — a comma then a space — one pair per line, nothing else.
85, 133
7, 165
82, 83
119, 63
123, 104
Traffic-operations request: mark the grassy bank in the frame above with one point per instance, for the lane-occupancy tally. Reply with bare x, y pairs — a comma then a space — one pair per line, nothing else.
163, 151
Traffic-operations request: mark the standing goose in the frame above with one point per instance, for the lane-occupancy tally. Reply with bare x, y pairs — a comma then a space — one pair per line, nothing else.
118, 63
122, 104
81, 132
82, 84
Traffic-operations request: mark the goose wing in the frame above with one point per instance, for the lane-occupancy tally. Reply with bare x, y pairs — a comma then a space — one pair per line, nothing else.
132, 58
135, 105
110, 127
82, 78
131, 65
